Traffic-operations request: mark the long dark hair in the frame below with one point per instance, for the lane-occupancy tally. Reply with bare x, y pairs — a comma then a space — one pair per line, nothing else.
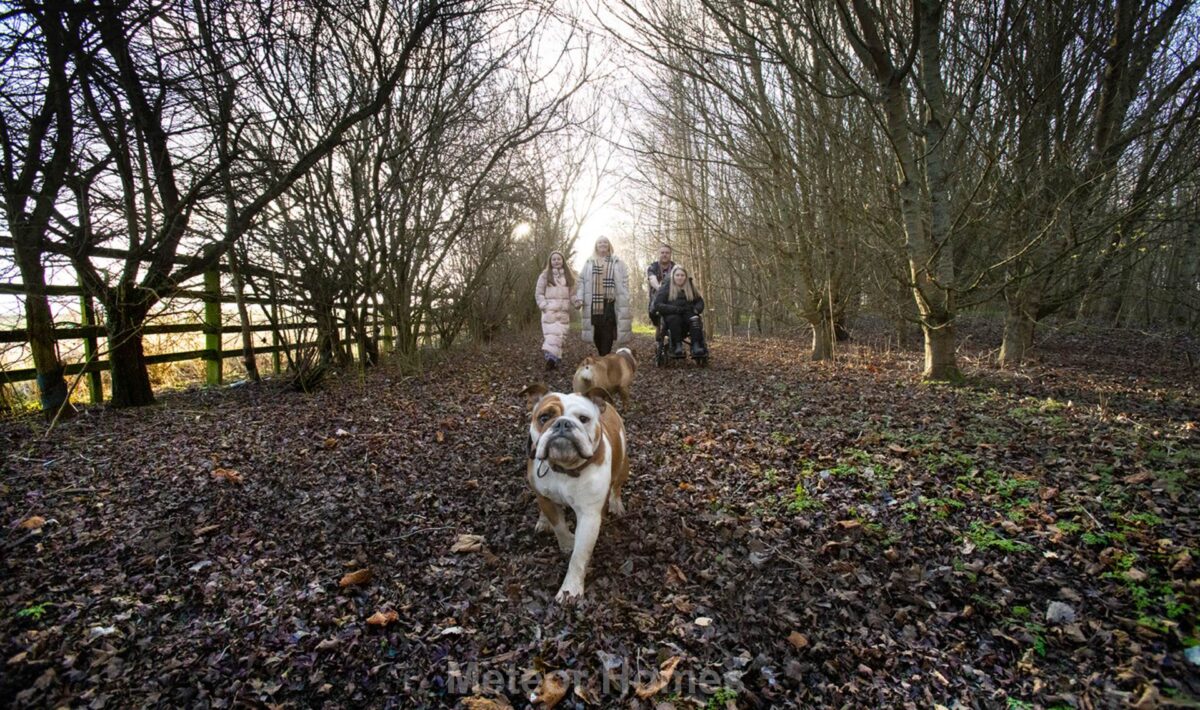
568, 276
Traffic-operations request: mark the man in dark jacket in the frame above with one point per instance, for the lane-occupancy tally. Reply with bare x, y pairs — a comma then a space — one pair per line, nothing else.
680, 306
656, 276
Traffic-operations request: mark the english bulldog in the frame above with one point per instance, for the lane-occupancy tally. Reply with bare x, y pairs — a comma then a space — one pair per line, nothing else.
577, 459
614, 372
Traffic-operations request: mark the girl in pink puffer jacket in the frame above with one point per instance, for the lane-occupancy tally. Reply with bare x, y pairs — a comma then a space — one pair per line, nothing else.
554, 299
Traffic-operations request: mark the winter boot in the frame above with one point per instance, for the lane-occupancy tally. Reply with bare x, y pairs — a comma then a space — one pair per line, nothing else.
696, 331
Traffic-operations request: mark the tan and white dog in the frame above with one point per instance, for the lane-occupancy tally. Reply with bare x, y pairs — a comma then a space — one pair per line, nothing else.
614, 372
576, 459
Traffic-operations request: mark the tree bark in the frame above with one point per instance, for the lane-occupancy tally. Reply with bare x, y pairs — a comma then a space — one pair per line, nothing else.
39, 323
822, 341
127, 361
1018, 337
940, 363
239, 296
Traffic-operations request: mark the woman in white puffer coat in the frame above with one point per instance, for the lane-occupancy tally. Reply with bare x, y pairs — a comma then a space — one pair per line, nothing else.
603, 294
554, 299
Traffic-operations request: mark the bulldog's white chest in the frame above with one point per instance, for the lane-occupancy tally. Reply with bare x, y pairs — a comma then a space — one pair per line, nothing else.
586, 491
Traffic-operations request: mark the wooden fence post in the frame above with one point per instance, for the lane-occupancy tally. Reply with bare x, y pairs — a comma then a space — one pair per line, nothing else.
213, 374
387, 334
87, 314
276, 339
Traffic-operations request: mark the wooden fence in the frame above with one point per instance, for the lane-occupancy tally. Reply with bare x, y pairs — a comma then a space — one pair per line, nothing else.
90, 331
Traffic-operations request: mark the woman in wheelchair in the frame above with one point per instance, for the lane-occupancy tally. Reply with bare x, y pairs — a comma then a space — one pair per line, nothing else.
680, 306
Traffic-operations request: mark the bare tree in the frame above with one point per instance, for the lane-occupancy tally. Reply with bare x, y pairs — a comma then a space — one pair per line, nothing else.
37, 134
150, 87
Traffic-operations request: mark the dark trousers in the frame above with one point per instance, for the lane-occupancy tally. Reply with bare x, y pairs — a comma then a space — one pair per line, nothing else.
604, 327
691, 324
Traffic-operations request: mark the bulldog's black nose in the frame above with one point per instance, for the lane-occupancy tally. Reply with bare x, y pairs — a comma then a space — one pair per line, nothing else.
563, 424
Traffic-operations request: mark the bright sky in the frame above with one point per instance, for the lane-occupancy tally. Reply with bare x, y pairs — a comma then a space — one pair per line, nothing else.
603, 196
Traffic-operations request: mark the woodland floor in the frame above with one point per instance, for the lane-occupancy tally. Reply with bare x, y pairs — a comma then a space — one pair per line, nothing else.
798, 534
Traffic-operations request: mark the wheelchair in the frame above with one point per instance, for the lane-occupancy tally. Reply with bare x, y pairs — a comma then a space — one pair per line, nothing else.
662, 349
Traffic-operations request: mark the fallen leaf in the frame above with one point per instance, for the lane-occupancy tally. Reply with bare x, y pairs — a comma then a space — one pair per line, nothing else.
33, 522
551, 690
849, 524
1136, 478
675, 575
381, 618
362, 576
798, 639
665, 671
1149, 700
228, 475
589, 697
685, 486
468, 543
1109, 555
441, 436
19, 658
704, 622
478, 702
331, 442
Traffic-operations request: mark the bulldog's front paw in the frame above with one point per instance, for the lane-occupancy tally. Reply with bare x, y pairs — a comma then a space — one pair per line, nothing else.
615, 506
566, 543
569, 592
543, 525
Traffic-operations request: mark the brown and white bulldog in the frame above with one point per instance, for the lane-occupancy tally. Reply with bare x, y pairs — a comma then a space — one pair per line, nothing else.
577, 459
614, 372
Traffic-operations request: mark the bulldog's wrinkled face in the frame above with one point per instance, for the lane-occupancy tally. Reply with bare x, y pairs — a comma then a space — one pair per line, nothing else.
565, 429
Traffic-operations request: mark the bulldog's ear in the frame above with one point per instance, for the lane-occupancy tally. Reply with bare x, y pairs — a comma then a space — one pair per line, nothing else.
534, 392
600, 397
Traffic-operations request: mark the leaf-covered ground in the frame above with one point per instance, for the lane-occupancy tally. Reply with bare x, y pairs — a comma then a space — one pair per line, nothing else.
798, 534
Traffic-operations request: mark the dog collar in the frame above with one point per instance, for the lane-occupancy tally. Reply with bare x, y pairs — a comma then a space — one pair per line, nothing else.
542, 465
572, 472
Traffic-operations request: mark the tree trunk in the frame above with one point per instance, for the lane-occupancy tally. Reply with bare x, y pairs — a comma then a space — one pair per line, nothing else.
822, 341
127, 361
1018, 338
840, 330
248, 357
39, 323
940, 363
